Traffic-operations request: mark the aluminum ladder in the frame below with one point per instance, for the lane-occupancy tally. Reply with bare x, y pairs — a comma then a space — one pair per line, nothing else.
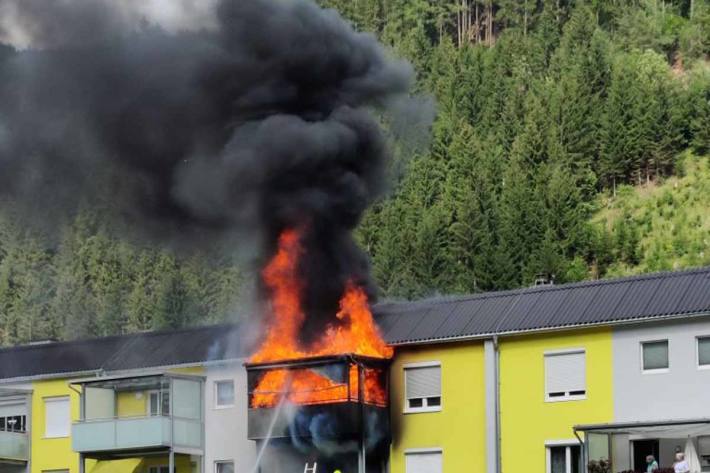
311, 469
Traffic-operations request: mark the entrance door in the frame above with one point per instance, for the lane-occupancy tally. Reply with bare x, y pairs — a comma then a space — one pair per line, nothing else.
643, 448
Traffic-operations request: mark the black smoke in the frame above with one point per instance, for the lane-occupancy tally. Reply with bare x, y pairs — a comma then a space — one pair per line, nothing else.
263, 118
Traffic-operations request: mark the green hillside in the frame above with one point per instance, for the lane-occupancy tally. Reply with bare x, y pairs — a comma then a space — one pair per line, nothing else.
660, 226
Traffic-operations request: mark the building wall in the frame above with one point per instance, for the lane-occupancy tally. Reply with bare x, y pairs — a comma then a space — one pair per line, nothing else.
226, 428
528, 422
51, 453
679, 393
459, 428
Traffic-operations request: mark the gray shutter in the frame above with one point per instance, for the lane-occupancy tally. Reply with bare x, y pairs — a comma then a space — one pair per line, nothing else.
423, 382
655, 355
423, 462
13, 407
565, 372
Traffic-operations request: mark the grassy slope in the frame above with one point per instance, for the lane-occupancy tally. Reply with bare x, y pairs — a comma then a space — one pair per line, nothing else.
672, 219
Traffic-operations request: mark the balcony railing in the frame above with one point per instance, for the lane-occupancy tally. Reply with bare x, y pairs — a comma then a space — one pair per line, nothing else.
14, 446
149, 412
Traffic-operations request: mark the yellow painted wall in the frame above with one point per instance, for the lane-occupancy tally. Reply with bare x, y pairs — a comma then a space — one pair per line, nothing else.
132, 404
55, 453
459, 428
527, 421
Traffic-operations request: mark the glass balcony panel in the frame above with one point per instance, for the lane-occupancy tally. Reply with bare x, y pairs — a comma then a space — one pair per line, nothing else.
14, 446
119, 434
100, 403
186, 399
188, 433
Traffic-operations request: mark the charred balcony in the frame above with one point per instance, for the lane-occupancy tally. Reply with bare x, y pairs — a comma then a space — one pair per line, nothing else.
349, 388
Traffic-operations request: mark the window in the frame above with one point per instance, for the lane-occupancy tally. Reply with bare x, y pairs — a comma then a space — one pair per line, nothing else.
422, 387
423, 462
224, 467
704, 352
159, 403
13, 423
565, 376
57, 417
655, 355
224, 393
564, 459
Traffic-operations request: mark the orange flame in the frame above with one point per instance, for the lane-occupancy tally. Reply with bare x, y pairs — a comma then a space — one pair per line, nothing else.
354, 332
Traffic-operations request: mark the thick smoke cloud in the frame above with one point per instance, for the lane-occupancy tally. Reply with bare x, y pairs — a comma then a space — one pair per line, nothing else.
234, 119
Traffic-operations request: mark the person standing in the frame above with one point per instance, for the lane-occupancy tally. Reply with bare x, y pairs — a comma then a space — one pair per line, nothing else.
651, 464
681, 465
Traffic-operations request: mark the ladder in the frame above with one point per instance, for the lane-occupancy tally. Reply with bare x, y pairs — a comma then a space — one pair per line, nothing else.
310, 469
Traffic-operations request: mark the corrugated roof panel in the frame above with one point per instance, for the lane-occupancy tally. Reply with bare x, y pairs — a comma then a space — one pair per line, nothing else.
576, 304
697, 298
633, 304
548, 305
604, 304
405, 325
669, 293
432, 319
460, 316
490, 315
519, 313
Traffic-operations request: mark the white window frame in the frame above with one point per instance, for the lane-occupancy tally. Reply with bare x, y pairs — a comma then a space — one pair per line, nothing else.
160, 393
697, 352
414, 451
425, 407
567, 397
222, 462
655, 370
56, 399
568, 453
215, 386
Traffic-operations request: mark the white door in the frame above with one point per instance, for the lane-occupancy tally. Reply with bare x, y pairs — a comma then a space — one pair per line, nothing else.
423, 462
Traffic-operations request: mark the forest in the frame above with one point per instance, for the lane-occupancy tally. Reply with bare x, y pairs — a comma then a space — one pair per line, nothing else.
571, 142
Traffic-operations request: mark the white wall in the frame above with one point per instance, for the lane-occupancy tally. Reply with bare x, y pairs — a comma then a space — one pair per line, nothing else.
680, 393
226, 428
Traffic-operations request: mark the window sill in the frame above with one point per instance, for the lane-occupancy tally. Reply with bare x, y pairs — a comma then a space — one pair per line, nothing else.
704, 367
420, 410
55, 437
656, 371
226, 406
566, 398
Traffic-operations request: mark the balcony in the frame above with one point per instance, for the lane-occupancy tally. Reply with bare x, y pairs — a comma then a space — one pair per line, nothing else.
14, 446
140, 414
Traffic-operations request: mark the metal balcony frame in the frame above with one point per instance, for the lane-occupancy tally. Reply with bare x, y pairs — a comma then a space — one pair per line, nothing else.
170, 450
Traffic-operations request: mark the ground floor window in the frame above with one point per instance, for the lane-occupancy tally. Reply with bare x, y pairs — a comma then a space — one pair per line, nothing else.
564, 458
224, 467
424, 461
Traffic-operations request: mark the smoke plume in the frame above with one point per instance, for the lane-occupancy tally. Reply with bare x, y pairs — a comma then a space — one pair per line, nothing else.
201, 122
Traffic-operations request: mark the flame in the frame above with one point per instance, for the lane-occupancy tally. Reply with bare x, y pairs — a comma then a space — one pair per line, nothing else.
354, 332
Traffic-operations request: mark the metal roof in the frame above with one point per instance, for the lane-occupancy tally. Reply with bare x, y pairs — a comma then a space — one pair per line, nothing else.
537, 308
124, 352
586, 304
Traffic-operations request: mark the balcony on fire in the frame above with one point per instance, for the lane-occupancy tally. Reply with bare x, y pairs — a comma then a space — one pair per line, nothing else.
14, 436
148, 414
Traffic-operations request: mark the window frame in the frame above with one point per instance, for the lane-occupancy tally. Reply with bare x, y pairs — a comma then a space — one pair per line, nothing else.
50, 399
216, 403
700, 366
567, 397
425, 407
667, 369
567, 445
222, 462
416, 451
161, 394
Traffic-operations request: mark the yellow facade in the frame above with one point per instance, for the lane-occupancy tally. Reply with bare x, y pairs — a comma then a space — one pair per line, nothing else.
51, 453
56, 454
459, 428
527, 420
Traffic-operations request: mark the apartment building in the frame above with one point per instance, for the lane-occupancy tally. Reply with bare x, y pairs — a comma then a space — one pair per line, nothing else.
540, 379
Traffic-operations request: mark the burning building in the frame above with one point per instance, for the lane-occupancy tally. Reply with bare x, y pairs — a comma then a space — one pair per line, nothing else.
323, 401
